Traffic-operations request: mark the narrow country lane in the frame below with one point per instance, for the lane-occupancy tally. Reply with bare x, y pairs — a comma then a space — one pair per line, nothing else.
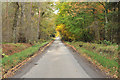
33, 31
58, 61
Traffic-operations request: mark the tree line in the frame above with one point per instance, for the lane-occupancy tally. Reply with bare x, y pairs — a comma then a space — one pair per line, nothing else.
89, 21
27, 21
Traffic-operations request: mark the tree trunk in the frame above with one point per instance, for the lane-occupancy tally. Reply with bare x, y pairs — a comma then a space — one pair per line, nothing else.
21, 30
118, 39
118, 64
38, 35
7, 21
118, 31
106, 18
97, 33
15, 21
30, 18
106, 22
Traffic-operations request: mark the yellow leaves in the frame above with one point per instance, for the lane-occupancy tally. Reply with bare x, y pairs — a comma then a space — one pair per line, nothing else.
69, 4
57, 34
59, 27
3, 54
71, 37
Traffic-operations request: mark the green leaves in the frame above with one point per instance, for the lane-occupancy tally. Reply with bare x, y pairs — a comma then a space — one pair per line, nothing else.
75, 19
79, 18
87, 21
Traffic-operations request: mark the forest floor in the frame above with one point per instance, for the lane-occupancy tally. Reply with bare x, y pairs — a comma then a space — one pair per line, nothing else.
11, 48
103, 56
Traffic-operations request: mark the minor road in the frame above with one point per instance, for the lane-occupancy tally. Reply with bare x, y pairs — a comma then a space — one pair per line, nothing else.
58, 61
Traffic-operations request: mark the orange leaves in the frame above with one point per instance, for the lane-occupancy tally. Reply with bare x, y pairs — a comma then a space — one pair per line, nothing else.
109, 11
101, 7
101, 11
77, 10
95, 12
68, 14
79, 7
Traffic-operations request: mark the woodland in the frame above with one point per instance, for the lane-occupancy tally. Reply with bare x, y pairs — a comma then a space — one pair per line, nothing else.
24, 22
93, 28
89, 22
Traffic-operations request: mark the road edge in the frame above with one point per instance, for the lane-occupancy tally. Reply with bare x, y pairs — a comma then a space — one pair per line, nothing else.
12, 71
89, 60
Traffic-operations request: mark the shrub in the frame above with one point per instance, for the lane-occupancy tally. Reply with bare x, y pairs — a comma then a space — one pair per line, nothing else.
107, 42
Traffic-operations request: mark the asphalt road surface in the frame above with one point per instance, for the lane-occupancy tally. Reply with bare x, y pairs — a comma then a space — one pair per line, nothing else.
58, 61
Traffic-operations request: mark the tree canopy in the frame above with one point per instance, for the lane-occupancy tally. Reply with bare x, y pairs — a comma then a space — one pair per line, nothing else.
88, 21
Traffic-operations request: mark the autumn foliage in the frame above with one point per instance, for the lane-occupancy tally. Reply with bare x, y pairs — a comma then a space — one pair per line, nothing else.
87, 21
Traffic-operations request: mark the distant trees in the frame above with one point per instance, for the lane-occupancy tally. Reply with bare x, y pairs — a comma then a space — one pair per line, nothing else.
89, 22
27, 21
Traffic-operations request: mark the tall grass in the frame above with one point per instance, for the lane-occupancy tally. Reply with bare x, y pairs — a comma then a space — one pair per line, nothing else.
101, 59
107, 62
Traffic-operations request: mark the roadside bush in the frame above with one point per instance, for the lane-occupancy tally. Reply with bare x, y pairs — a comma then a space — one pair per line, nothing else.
107, 42
119, 48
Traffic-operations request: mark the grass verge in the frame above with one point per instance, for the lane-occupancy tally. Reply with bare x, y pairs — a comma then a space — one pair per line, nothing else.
11, 61
107, 63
